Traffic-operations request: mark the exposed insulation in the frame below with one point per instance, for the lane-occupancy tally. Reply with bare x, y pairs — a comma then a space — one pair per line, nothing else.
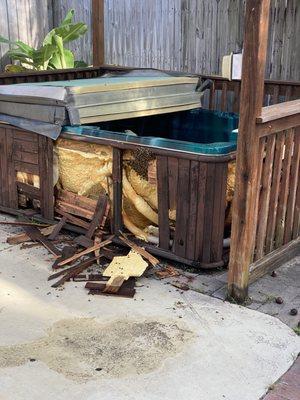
86, 169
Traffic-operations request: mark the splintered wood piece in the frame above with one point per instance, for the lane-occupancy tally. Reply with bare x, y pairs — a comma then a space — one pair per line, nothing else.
72, 219
76, 270
67, 252
67, 270
98, 215
87, 251
58, 228
90, 277
114, 284
36, 236
126, 290
84, 241
23, 237
23, 223
144, 253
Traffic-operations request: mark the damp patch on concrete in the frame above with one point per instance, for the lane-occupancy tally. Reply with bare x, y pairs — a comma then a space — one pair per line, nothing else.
83, 349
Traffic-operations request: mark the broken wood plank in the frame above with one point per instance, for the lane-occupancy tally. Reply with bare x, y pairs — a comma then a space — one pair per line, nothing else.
98, 216
114, 283
75, 271
86, 251
144, 253
72, 219
24, 223
57, 228
37, 236
67, 252
23, 237
126, 290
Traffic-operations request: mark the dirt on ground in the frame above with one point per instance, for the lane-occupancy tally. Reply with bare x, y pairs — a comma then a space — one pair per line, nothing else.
83, 349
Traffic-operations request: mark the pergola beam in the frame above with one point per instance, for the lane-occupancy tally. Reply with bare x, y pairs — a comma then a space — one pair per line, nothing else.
98, 32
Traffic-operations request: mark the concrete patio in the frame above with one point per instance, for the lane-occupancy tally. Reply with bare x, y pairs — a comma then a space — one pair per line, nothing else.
163, 344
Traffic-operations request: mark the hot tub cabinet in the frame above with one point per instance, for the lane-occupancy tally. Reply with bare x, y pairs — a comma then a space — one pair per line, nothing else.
188, 180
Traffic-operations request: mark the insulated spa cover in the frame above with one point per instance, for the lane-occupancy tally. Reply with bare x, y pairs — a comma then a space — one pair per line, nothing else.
44, 107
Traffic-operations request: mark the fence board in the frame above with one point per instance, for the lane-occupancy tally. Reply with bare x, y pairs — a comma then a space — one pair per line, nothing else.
188, 35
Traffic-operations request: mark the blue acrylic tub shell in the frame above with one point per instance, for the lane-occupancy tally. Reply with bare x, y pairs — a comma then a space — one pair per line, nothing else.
196, 131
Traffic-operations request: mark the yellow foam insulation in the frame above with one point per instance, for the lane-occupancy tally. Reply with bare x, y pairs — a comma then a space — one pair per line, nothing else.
86, 169
126, 266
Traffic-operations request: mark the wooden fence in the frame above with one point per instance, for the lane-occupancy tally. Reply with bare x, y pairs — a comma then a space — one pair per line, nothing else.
189, 35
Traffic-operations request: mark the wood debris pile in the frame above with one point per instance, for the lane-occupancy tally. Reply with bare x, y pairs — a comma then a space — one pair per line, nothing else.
75, 259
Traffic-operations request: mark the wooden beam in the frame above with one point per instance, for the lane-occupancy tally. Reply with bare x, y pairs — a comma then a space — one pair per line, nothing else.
274, 259
244, 215
98, 32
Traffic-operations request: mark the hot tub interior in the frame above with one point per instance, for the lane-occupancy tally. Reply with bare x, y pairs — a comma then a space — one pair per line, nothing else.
199, 131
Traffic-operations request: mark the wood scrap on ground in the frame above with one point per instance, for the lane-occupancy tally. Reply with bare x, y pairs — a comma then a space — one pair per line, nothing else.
153, 260
23, 237
36, 236
167, 272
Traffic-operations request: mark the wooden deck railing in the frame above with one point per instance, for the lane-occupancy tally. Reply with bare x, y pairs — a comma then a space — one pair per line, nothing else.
278, 219
225, 94
276, 224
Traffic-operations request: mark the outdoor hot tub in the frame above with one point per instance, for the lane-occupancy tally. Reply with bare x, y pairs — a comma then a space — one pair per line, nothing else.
177, 177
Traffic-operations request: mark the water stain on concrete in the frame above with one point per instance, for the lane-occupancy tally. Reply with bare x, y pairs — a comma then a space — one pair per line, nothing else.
83, 349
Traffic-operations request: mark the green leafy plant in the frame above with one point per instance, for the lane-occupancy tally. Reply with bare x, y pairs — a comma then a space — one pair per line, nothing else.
52, 54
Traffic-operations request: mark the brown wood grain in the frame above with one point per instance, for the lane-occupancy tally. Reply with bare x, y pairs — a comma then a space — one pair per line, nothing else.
244, 213
293, 186
264, 197
163, 202
46, 176
183, 206
284, 188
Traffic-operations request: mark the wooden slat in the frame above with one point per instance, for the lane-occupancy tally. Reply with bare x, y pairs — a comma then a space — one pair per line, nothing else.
11, 173
236, 99
30, 158
264, 197
275, 94
25, 145
46, 177
24, 135
208, 213
22, 166
173, 179
224, 99
29, 190
98, 215
293, 185
76, 200
278, 125
274, 193
284, 188
218, 218
182, 212
201, 190
163, 202
278, 111
212, 94
117, 189
296, 223
274, 259
192, 220
4, 191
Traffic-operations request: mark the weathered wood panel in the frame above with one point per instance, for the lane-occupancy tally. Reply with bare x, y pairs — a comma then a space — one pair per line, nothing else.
193, 35
188, 35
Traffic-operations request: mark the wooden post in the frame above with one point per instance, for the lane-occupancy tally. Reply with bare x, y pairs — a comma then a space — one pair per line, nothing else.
98, 32
244, 217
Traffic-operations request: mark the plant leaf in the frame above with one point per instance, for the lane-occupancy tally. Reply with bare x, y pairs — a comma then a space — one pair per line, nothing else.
80, 64
68, 18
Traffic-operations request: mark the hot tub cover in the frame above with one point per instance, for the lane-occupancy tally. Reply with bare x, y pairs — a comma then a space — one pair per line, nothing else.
44, 107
